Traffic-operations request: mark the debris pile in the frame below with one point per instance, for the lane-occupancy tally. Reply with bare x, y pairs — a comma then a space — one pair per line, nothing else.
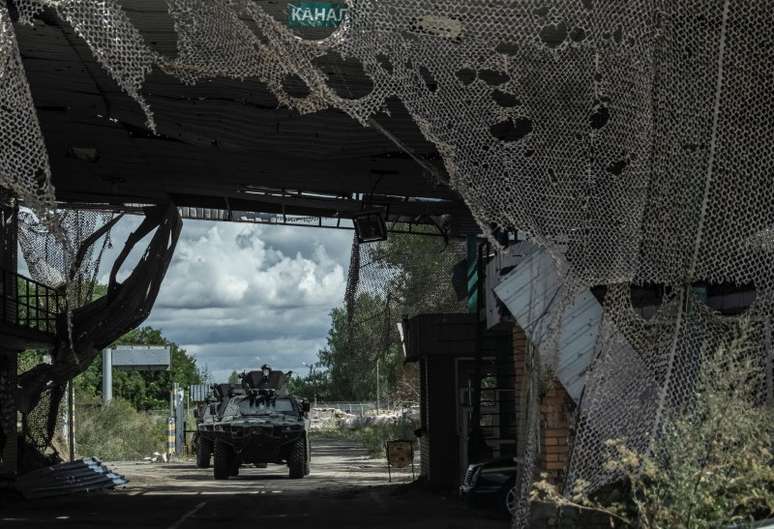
327, 419
384, 417
157, 457
83, 475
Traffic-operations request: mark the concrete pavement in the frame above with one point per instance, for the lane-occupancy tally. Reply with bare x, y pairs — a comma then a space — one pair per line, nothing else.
346, 490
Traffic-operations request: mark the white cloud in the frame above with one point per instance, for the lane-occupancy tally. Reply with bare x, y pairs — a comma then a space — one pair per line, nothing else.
215, 270
235, 292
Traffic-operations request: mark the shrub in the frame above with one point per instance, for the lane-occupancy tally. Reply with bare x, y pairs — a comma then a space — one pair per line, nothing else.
374, 435
372, 431
713, 465
117, 431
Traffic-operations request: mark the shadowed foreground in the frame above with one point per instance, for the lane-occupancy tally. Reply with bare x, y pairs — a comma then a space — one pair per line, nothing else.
345, 490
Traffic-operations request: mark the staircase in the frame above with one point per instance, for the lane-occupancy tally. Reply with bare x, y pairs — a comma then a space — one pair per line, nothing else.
29, 309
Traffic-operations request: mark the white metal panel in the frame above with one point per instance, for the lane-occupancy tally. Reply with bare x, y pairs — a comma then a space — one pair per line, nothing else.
496, 269
144, 357
199, 392
578, 338
529, 292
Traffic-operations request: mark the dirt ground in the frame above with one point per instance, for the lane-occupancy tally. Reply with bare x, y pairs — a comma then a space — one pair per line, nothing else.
345, 490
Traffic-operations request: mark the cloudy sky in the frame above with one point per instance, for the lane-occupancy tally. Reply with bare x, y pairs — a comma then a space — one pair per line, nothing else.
239, 295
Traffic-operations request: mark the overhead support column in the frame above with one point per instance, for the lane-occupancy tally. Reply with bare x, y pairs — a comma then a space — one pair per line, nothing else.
8, 431
8, 357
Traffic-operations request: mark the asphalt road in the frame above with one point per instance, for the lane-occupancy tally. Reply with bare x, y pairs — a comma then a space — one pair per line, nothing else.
345, 490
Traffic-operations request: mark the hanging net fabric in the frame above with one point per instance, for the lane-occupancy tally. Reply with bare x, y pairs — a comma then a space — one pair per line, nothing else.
50, 251
632, 140
614, 133
51, 254
406, 275
24, 167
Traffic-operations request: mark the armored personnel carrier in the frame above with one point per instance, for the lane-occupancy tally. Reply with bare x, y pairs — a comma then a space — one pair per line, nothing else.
256, 422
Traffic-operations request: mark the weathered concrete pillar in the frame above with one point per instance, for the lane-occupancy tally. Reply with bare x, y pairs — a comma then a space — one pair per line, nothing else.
8, 428
8, 261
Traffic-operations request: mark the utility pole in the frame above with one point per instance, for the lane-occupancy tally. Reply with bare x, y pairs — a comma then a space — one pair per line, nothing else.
377, 385
71, 419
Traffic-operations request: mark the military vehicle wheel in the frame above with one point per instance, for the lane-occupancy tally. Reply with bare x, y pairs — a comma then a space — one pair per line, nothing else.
203, 452
222, 460
297, 459
307, 459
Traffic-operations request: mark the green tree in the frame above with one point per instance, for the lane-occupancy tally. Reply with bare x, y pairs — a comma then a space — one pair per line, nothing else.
422, 273
316, 385
353, 350
417, 272
145, 390
233, 378
416, 278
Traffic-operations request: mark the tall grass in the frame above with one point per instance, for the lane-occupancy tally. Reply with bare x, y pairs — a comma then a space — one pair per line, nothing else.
117, 431
374, 435
372, 432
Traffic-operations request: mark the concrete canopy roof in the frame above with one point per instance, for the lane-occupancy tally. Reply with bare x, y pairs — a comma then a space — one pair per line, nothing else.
222, 144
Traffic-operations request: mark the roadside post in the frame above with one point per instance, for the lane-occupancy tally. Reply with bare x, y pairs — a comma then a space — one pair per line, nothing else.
107, 375
71, 420
179, 420
170, 436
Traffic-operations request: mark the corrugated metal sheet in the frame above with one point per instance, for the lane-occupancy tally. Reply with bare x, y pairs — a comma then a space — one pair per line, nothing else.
496, 270
529, 291
199, 392
83, 475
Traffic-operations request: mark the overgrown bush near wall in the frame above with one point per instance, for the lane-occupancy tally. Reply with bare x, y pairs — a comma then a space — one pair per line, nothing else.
373, 431
117, 431
713, 466
374, 435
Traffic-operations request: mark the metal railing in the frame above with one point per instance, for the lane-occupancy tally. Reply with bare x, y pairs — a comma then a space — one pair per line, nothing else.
29, 304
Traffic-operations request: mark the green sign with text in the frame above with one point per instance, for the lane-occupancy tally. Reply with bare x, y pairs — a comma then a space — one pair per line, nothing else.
316, 14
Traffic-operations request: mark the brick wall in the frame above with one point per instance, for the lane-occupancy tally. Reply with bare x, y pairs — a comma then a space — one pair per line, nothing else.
520, 356
555, 413
555, 426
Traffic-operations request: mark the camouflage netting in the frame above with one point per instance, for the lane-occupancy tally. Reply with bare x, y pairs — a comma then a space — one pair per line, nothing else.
380, 289
42, 426
50, 251
631, 139
24, 165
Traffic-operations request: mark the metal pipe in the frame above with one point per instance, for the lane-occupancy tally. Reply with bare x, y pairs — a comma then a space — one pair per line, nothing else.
107, 375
